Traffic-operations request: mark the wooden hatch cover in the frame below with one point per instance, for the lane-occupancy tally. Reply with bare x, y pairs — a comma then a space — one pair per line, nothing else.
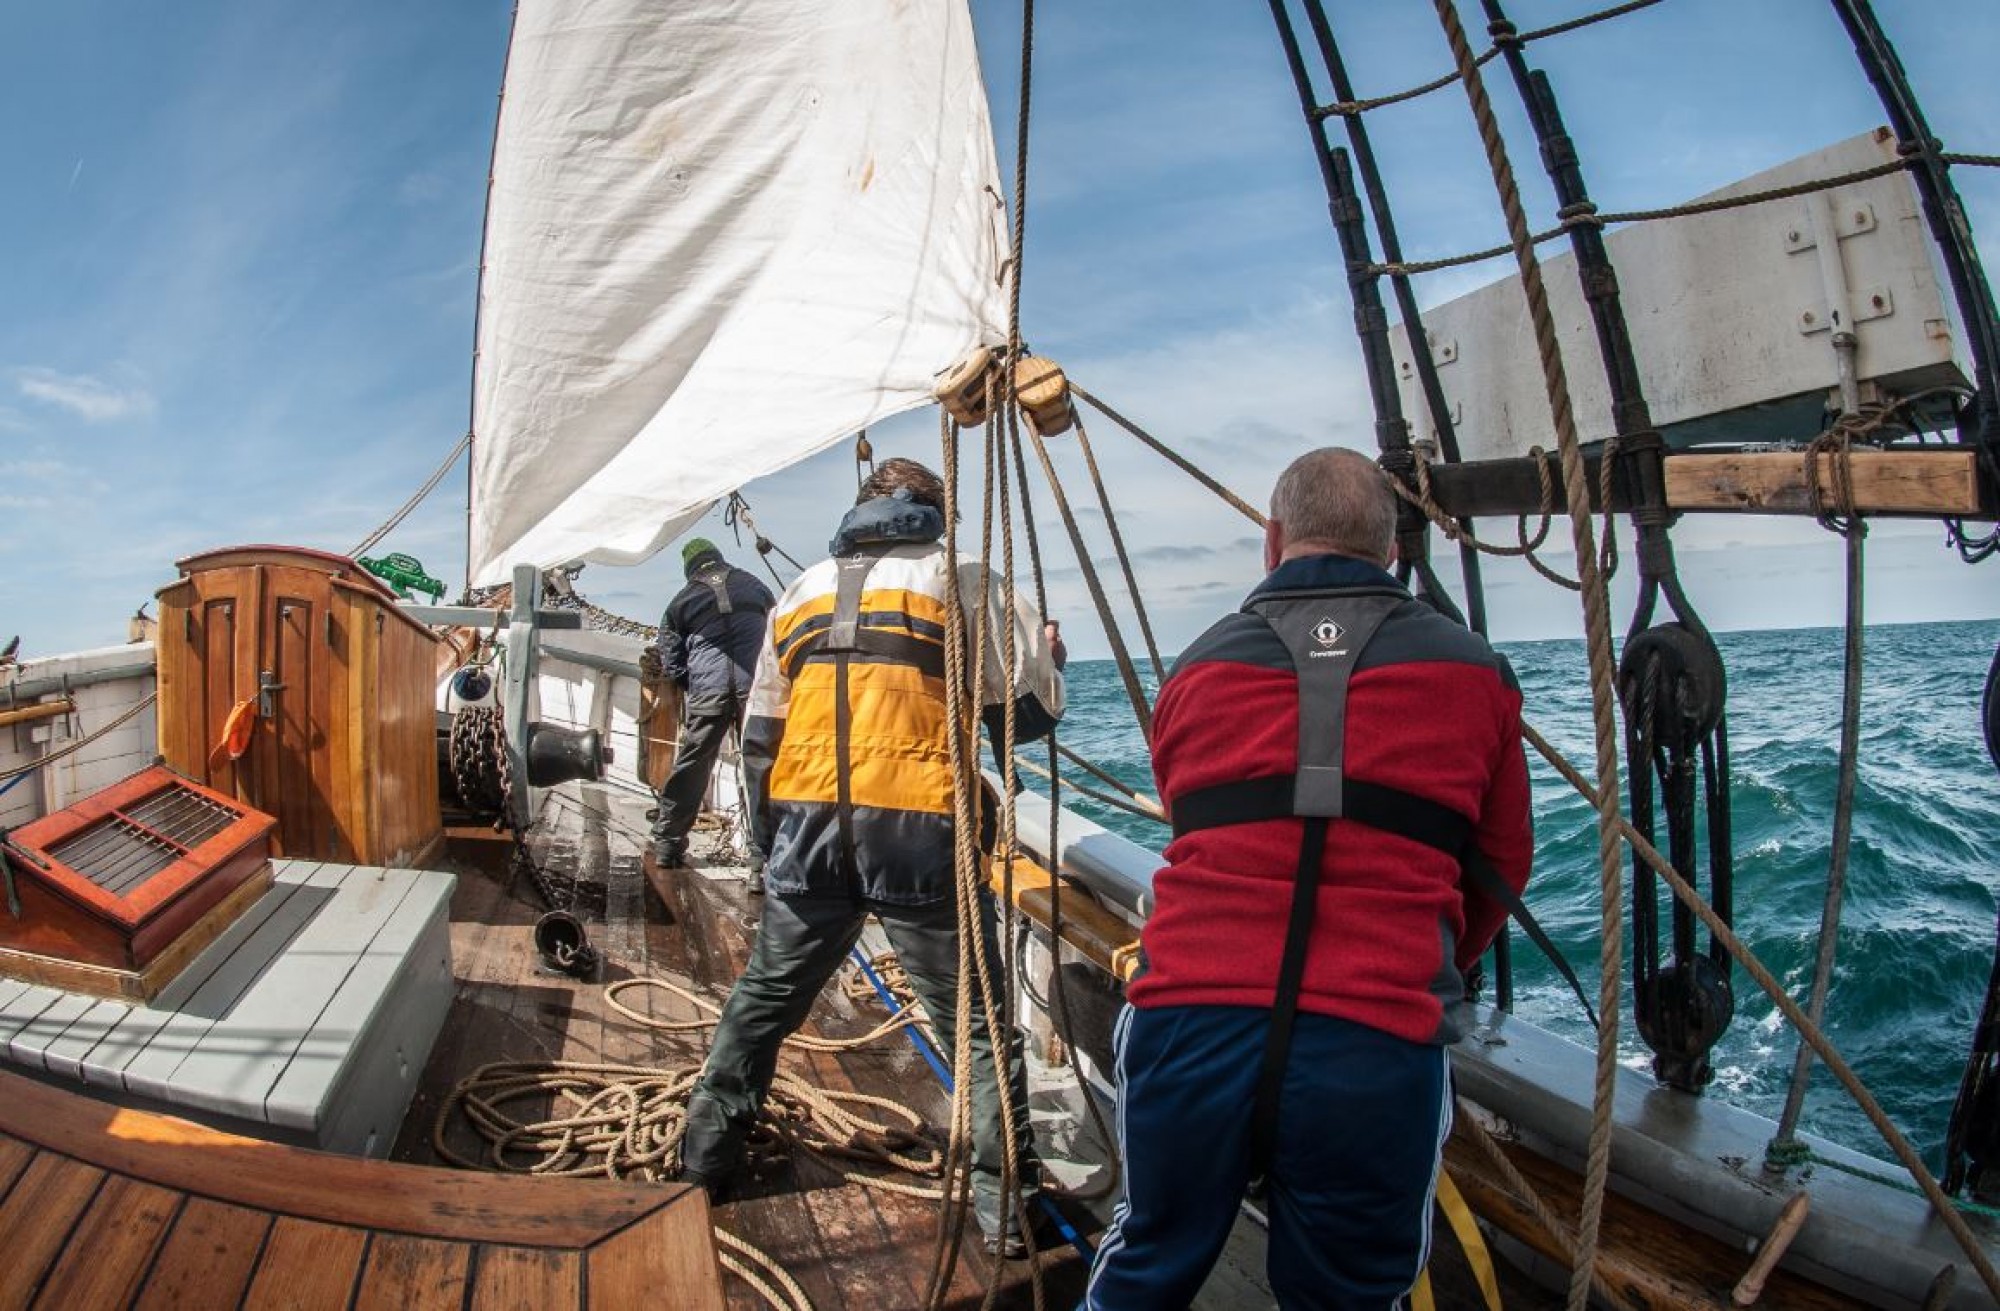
107, 1207
122, 889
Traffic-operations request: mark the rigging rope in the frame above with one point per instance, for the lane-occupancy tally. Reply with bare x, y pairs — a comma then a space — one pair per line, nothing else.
20, 771
1837, 514
1590, 216
430, 484
1597, 631
1118, 547
1348, 108
1822, 1046
1179, 461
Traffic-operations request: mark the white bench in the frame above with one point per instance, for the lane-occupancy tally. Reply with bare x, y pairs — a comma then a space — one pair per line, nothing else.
308, 1021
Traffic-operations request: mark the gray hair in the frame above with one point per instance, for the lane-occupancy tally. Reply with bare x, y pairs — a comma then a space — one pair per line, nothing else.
1337, 497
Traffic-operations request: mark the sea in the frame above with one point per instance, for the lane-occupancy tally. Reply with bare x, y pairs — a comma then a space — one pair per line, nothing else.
1918, 931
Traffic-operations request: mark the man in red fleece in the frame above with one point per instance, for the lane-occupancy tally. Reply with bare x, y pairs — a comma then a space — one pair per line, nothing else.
1344, 770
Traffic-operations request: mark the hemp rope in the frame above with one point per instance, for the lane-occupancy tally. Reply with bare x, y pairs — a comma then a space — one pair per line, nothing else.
1597, 631
1526, 1193
1587, 215
1179, 461
627, 1122
951, 1226
1821, 1044
904, 1017
430, 485
1455, 530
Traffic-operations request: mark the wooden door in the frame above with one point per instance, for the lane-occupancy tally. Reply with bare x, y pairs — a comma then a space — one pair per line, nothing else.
289, 751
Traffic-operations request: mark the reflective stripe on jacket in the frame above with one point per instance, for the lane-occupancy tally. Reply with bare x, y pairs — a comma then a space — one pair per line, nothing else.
845, 746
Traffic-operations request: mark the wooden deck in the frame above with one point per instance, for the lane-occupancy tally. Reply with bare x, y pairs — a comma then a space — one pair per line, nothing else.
104, 1207
849, 1247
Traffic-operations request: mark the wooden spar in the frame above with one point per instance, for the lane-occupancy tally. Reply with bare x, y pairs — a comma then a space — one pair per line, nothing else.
1099, 936
1919, 483
46, 710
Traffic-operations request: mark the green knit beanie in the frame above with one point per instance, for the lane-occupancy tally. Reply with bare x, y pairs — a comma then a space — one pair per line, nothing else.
696, 548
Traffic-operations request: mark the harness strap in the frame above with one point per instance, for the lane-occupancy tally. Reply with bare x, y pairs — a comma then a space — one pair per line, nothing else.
1285, 1009
717, 581
1323, 652
841, 642
1393, 810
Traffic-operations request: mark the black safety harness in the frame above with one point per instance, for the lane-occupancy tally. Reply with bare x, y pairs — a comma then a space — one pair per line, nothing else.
1325, 635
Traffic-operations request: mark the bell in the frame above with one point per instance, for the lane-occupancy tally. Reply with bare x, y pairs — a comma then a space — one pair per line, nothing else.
560, 755
563, 944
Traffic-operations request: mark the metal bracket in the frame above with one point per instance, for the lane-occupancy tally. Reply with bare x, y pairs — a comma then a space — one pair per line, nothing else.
1849, 220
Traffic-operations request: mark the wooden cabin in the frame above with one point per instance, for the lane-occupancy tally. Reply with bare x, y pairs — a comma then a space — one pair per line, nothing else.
290, 679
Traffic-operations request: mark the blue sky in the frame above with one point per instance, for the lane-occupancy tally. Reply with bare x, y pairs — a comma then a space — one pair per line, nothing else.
238, 247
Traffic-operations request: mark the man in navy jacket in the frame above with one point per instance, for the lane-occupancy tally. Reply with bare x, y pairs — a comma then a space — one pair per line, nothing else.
709, 639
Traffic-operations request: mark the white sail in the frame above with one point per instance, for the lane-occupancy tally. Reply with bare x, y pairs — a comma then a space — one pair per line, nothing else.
721, 236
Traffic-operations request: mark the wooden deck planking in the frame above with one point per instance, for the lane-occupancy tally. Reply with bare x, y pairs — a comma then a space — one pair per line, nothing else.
850, 1247
14, 1158
526, 1279
106, 1259
413, 1274
41, 1209
307, 1266
629, 1270
208, 1258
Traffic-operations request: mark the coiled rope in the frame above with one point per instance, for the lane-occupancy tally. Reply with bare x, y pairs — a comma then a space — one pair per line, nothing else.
627, 1122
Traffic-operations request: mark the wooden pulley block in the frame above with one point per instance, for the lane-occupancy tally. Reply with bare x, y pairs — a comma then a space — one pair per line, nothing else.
962, 389
1043, 393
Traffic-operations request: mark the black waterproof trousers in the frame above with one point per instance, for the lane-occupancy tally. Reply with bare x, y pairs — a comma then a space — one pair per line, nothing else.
701, 741
801, 941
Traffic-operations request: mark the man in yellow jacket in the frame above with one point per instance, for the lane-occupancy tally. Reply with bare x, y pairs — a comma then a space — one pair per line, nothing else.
850, 782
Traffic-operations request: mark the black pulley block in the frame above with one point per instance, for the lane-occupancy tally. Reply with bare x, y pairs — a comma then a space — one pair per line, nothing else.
560, 755
1687, 683
1681, 1011
563, 944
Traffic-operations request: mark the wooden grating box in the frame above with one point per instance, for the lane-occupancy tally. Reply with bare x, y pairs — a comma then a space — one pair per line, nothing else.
122, 889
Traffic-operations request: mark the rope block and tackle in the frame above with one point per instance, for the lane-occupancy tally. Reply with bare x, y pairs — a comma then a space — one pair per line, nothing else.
1042, 392
962, 390
1673, 687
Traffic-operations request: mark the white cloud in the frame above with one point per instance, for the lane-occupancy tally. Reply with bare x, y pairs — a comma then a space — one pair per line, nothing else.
91, 399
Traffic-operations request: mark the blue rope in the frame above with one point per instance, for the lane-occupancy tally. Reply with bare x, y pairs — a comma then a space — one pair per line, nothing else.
931, 1057
15, 782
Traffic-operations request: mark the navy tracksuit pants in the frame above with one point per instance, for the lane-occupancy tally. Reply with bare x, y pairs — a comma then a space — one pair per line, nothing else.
1362, 1121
